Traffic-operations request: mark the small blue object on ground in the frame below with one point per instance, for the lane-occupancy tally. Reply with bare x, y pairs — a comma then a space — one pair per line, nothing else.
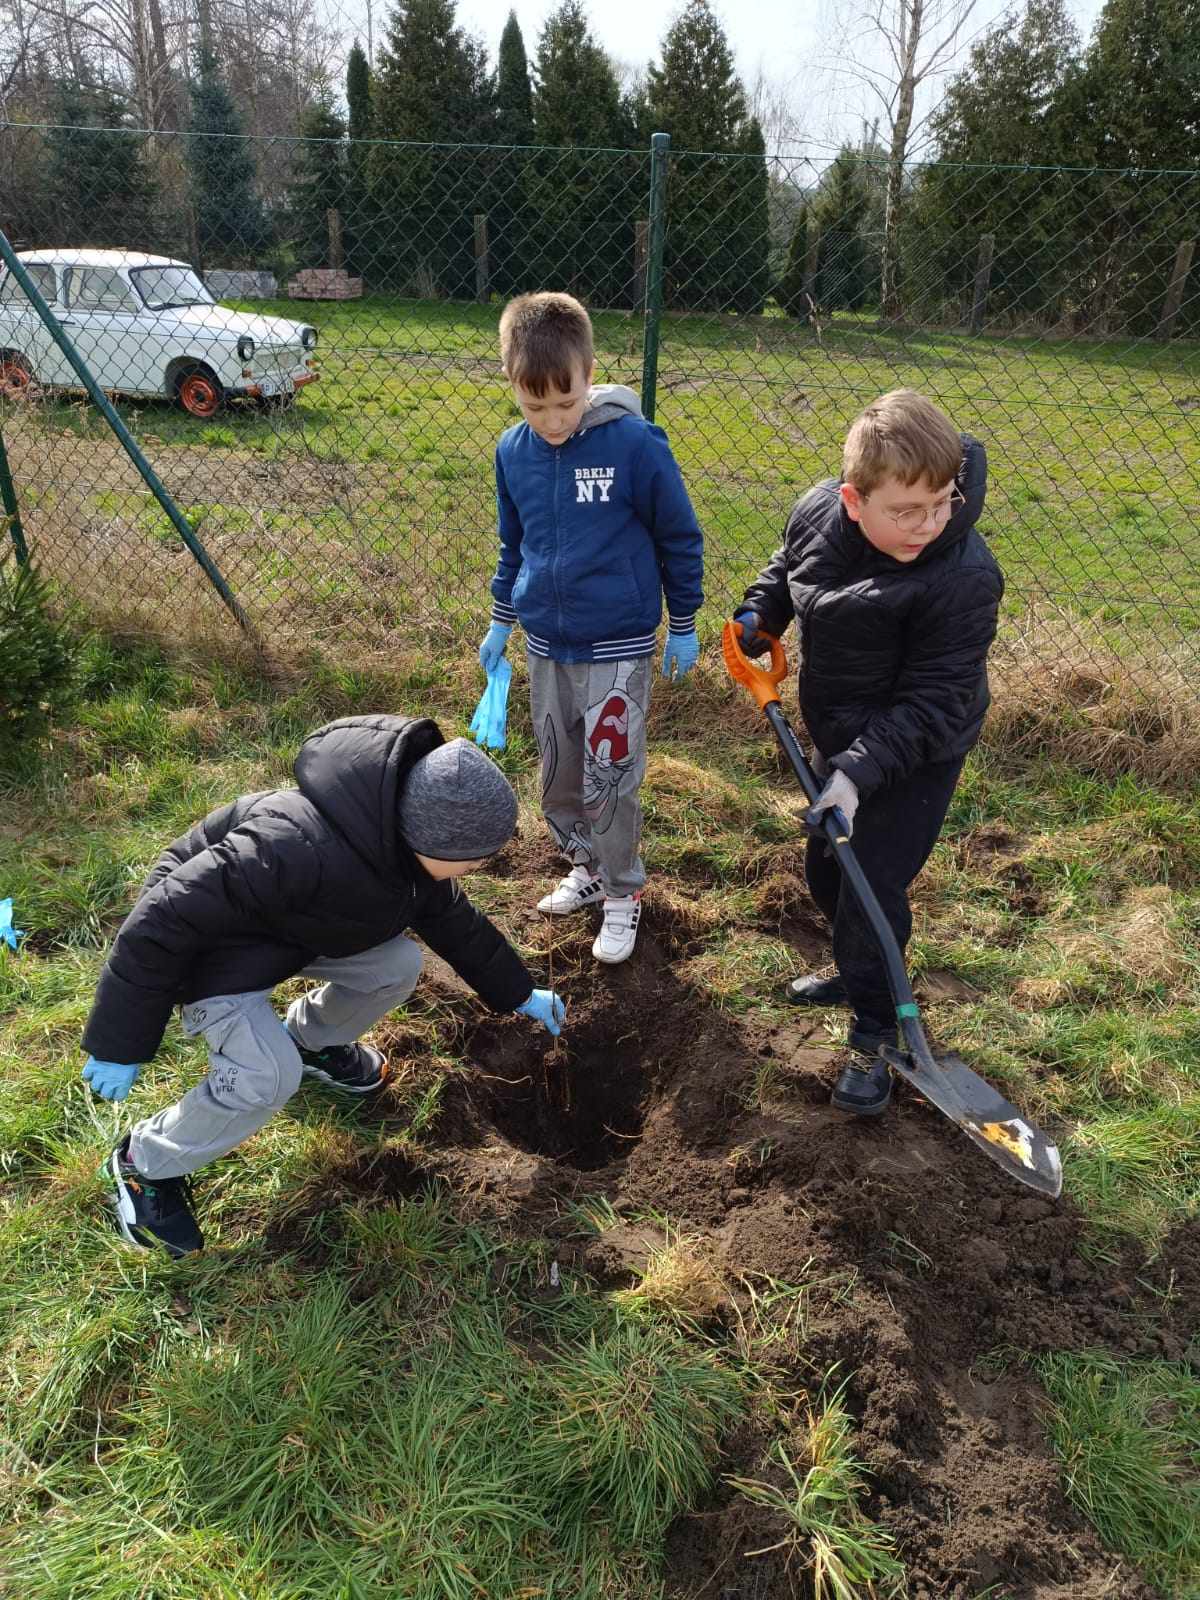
8, 934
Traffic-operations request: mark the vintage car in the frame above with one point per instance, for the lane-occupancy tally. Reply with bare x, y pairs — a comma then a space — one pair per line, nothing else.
146, 325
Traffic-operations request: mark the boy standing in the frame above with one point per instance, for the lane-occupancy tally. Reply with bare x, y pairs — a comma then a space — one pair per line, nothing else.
595, 524
319, 881
895, 596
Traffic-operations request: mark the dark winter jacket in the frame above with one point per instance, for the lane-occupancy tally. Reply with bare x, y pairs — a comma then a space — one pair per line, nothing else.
265, 885
592, 532
893, 655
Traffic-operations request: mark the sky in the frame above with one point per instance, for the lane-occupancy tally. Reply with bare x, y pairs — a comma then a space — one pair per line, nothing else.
786, 42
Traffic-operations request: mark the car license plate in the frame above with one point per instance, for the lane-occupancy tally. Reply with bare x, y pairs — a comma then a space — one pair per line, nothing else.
268, 388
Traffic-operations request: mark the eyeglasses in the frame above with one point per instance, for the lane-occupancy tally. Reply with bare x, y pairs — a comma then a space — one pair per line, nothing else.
913, 521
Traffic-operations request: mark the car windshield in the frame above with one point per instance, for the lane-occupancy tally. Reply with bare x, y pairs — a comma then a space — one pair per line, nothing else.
161, 287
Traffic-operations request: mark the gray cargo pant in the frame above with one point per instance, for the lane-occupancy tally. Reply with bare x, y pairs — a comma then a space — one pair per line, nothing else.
590, 722
253, 1064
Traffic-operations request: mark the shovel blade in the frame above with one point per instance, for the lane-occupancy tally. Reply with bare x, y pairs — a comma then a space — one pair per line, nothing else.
986, 1117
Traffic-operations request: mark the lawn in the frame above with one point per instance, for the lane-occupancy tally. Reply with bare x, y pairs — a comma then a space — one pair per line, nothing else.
637, 1315
371, 503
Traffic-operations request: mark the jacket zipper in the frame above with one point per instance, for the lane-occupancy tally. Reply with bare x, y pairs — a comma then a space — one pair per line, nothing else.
557, 548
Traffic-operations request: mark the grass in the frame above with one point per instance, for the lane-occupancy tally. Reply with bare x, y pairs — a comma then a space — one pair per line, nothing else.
1128, 1437
380, 479
826, 1536
352, 1397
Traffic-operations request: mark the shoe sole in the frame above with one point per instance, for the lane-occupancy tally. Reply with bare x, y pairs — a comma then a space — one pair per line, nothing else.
612, 961
569, 911
349, 1088
126, 1216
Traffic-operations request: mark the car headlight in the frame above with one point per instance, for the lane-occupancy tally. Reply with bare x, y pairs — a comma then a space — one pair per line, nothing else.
245, 347
309, 338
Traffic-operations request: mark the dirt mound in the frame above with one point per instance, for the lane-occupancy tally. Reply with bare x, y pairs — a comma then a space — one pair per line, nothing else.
924, 1263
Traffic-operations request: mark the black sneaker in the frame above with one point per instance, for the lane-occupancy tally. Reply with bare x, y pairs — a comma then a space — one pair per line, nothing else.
350, 1068
816, 991
864, 1091
152, 1211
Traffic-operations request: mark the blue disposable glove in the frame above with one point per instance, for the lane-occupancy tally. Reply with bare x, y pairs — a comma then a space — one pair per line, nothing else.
489, 724
753, 641
111, 1080
680, 654
545, 1007
493, 645
8, 934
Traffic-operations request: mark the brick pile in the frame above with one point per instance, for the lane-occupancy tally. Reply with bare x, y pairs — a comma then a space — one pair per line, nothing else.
324, 283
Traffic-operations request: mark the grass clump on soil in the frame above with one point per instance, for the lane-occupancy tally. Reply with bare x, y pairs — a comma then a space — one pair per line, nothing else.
424, 1436
1128, 1436
825, 1535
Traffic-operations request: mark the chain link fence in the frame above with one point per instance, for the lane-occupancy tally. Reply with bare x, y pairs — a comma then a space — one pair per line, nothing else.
311, 389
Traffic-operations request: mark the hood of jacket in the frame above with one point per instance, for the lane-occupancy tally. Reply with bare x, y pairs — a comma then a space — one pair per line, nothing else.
353, 770
606, 403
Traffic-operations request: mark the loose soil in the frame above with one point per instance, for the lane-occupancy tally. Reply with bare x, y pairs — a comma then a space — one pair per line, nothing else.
926, 1264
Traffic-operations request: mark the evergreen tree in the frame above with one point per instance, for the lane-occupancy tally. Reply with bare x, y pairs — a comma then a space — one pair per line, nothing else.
361, 116
514, 92
432, 87
581, 192
319, 182
511, 226
100, 190
578, 99
839, 211
749, 239
1006, 104
695, 95
229, 215
361, 224
1133, 110
791, 289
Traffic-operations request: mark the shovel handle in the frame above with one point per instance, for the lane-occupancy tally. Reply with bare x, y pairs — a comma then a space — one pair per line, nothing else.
762, 682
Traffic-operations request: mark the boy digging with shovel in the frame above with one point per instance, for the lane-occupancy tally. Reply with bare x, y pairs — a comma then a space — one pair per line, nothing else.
895, 596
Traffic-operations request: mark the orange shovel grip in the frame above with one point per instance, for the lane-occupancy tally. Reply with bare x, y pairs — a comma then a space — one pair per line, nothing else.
762, 682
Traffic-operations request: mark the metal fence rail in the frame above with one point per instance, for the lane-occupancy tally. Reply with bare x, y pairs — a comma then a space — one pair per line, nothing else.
1055, 314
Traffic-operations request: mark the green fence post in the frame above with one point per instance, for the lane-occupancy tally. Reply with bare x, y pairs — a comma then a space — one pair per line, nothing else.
660, 150
130, 445
12, 512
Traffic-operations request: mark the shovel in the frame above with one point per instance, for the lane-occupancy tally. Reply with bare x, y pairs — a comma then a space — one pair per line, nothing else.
946, 1081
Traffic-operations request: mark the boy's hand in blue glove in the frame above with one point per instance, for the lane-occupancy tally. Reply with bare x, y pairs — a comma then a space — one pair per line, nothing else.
680, 654
545, 1007
753, 641
493, 645
111, 1080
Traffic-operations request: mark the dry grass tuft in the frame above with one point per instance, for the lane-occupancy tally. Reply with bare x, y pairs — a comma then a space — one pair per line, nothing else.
682, 1280
1062, 689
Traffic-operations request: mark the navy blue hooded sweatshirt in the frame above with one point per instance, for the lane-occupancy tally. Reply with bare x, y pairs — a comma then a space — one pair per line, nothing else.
592, 533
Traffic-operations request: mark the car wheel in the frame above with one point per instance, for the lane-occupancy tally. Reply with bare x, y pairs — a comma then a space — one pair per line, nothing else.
199, 392
16, 376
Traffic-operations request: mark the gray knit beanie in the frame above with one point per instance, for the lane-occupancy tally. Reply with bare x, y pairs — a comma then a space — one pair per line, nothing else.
456, 804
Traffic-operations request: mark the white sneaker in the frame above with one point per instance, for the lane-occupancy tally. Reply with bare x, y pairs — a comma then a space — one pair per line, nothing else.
618, 931
581, 887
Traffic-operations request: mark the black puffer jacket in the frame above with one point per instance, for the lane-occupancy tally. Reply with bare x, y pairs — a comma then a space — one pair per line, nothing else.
893, 655
263, 886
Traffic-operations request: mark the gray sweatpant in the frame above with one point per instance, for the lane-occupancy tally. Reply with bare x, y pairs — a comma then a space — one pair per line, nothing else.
253, 1064
590, 723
